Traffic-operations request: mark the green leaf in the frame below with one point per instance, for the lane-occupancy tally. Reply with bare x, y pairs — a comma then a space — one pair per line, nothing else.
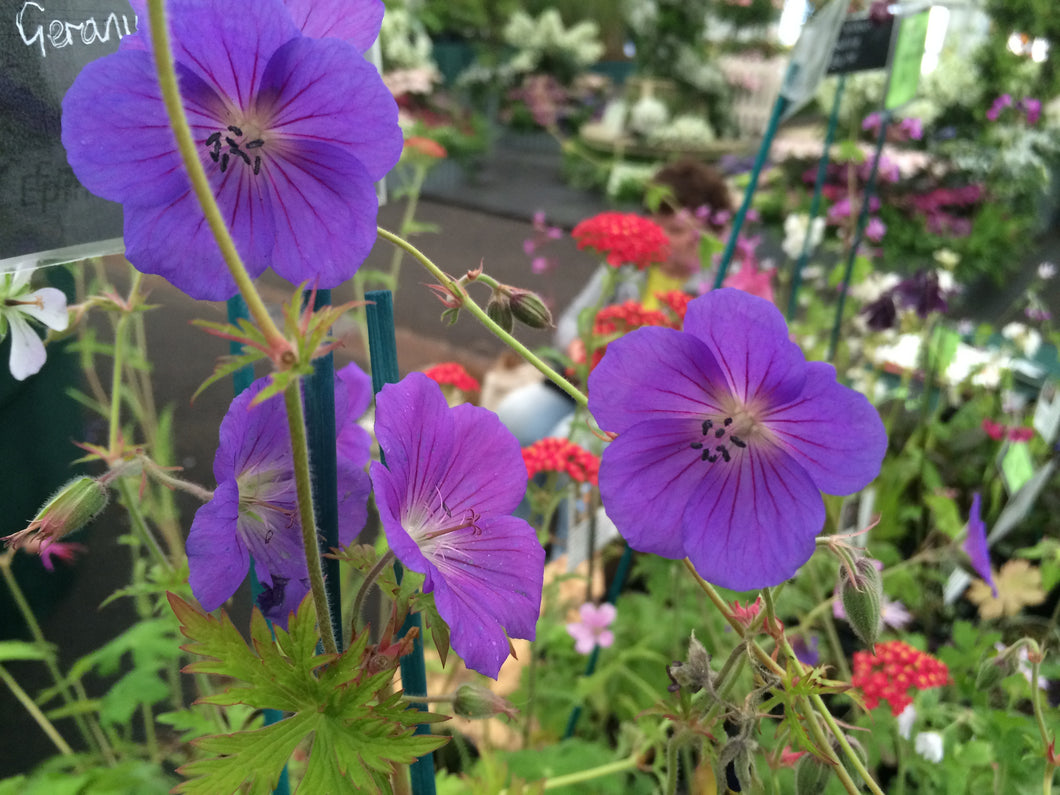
357, 736
944, 512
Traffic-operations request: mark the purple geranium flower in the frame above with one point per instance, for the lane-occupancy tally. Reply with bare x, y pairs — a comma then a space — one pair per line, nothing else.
976, 546
452, 477
726, 437
254, 510
293, 132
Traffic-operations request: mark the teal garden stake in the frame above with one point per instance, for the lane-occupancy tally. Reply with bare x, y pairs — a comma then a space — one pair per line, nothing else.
382, 349
815, 201
241, 379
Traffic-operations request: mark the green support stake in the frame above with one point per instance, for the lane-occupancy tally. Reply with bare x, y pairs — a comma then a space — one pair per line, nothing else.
382, 349
320, 428
741, 215
815, 202
859, 233
241, 379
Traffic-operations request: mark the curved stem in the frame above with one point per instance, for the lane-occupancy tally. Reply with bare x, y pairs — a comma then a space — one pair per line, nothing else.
292, 398
117, 373
366, 586
46, 725
167, 81
576, 395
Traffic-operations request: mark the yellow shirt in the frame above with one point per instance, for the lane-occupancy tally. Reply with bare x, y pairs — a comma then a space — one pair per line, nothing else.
659, 282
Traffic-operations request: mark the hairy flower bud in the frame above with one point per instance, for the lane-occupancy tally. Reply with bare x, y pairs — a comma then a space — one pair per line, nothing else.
499, 310
695, 674
529, 309
474, 701
811, 775
73, 506
996, 668
861, 592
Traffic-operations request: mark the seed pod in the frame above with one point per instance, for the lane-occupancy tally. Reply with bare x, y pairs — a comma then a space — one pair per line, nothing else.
862, 594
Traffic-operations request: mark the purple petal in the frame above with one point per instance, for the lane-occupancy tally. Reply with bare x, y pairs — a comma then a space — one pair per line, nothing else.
752, 521
353, 394
116, 99
491, 586
217, 559
647, 476
832, 431
357, 22
281, 598
976, 546
655, 373
325, 91
749, 339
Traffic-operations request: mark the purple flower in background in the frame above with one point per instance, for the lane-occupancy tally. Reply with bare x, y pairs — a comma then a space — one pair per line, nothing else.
452, 477
806, 649
882, 313
975, 544
923, 293
1032, 108
543, 234
293, 133
726, 438
592, 630
875, 229
254, 510
1002, 102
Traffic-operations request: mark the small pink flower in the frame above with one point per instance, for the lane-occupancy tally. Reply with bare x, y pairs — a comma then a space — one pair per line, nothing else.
592, 630
63, 550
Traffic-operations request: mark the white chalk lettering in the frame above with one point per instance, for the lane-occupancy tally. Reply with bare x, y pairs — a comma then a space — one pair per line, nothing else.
64, 33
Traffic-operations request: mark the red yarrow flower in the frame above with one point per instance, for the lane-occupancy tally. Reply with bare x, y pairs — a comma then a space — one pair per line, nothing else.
452, 374
623, 239
561, 455
893, 671
999, 432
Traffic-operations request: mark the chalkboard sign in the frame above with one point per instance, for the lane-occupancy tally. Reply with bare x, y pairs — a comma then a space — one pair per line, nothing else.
45, 214
863, 44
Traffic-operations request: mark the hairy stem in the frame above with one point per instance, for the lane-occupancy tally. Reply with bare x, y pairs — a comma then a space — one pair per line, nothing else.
167, 80
484, 319
292, 397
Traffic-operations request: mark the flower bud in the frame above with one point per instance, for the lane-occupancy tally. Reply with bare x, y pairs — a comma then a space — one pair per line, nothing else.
861, 593
474, 701
736, 764
72, 507
811, 775
695, 674
499, 310
529, 309
996, 668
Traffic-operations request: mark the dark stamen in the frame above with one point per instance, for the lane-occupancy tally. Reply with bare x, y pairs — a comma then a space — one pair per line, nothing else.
231, 142
234, 129
215, 155
224, 162
719, 433
257, 165
706, 456
697, 445
724, 452
728, 421
213, 139
255, 143
736, 440
707, 425
242, 154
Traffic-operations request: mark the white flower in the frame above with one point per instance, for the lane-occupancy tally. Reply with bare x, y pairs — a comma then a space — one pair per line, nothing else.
1046, 270
647, 115
795, 226
1026, 339
906, 720
947, 258
929, 746
47, 305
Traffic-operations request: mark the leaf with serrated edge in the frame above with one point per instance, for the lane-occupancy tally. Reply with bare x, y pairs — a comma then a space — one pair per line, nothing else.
357, 739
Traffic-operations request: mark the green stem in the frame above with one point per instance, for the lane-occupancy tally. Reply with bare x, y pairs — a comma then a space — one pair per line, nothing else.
292, 397
118, 371
46, 725
87, 726
139, 524
366, 586
418, 175
629, 763
481, 316
167, 81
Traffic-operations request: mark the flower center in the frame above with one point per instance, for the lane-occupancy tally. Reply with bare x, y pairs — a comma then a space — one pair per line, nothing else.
231, 144
723, 437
